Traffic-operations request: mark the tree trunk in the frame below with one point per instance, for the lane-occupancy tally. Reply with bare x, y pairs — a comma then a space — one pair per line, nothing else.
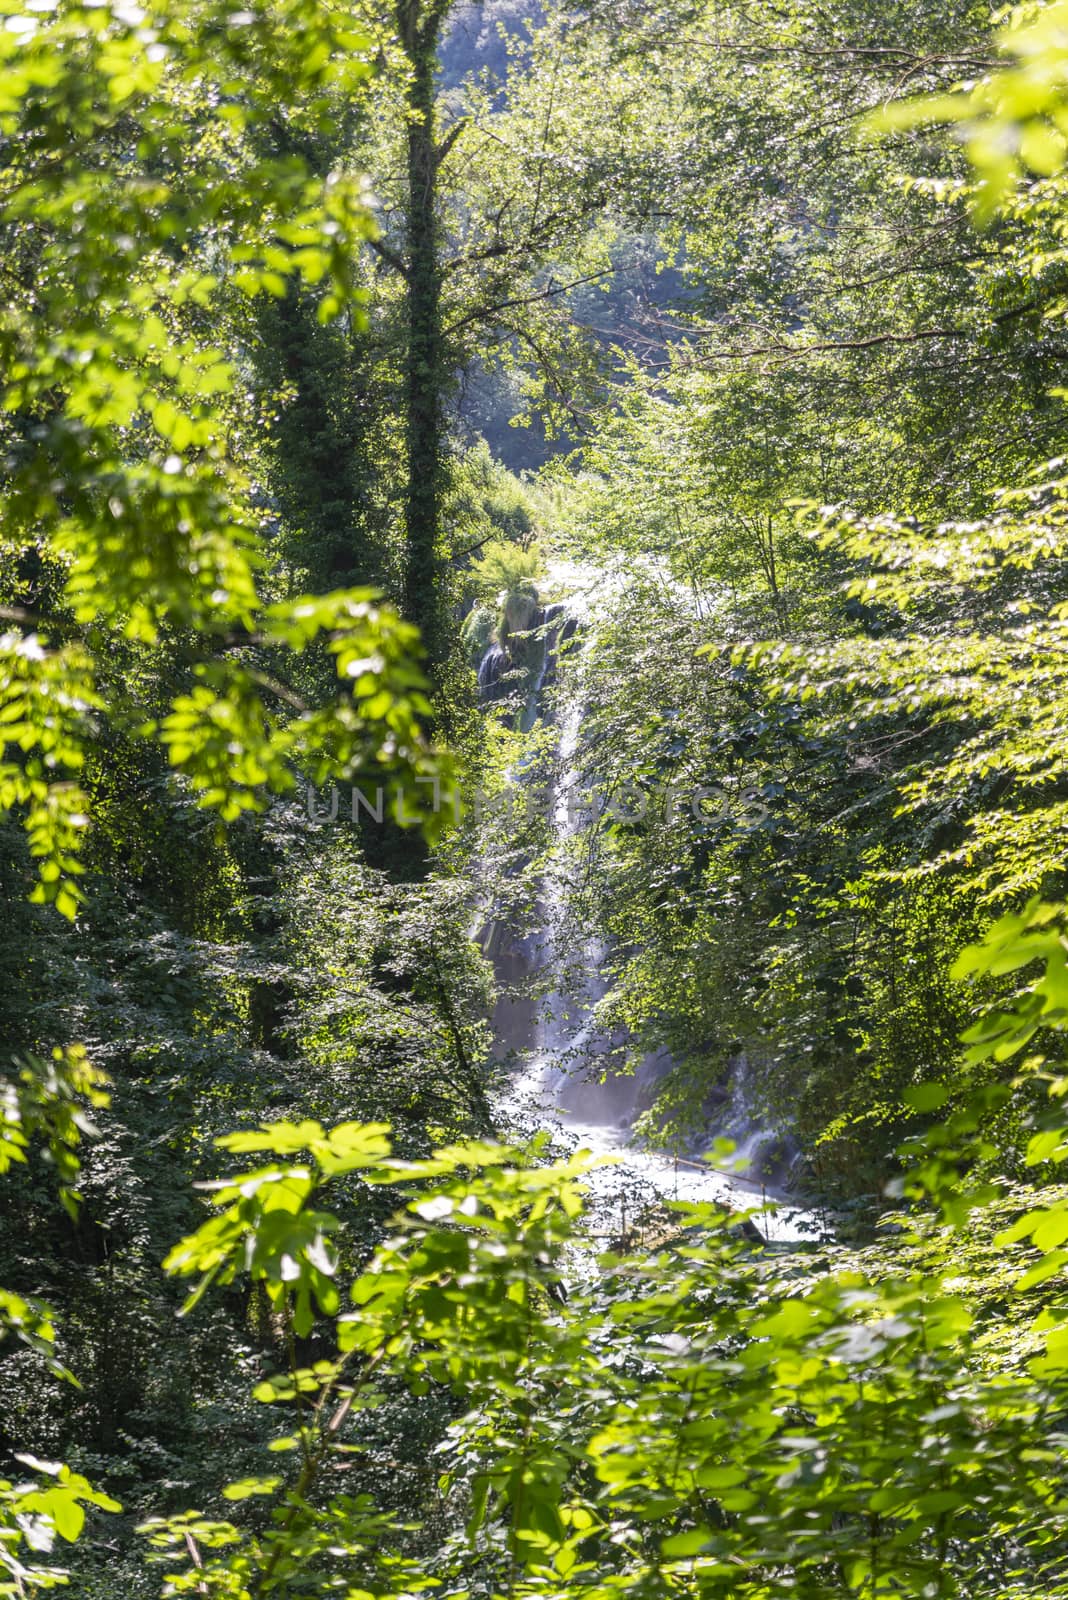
420, 23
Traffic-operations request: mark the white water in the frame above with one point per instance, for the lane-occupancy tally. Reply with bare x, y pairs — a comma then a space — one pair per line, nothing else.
634, 1176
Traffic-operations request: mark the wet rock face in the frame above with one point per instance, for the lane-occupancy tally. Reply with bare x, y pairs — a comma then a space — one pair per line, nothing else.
530, 640
521, 613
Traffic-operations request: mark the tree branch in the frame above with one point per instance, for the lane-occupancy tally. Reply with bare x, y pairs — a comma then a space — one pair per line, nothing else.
389, 256
483, 313
33, 619
441, 154
462, 555
795, 352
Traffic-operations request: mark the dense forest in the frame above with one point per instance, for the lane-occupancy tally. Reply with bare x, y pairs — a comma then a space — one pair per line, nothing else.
533, 740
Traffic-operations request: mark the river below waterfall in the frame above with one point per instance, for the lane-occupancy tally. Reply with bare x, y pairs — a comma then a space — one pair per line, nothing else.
635, 1177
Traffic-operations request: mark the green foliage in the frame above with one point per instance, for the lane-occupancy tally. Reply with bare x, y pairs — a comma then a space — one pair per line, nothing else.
488, 503
46, 1101
503, 569
876, 707
708, 1414
143, 208
33, 1513
232, 748
1013, 121
453, 1297
118, 477
820, 762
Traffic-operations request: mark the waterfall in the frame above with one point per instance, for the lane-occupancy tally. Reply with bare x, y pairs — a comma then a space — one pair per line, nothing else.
493, 664
568, 1077
768, 1156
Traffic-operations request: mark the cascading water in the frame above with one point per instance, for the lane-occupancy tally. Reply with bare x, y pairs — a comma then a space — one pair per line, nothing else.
493, 663
568, 1076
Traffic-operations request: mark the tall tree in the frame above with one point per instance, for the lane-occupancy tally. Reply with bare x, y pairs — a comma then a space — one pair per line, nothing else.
419, 26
